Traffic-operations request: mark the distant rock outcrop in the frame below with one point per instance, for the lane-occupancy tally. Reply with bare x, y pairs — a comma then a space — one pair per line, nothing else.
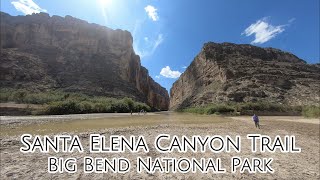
42, 52
245, 73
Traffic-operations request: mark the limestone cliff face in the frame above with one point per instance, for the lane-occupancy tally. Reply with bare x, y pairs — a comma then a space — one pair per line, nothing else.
42, 52
245, 73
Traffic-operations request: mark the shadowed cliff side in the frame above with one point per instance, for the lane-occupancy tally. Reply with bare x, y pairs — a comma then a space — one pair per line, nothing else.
39, 52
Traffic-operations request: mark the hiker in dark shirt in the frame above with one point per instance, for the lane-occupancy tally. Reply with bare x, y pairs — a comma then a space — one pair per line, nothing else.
255, 118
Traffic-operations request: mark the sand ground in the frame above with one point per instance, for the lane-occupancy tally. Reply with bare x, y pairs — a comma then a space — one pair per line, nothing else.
304, 165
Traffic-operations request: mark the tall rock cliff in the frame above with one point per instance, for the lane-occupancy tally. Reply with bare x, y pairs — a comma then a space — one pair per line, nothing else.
245, 73
40, 52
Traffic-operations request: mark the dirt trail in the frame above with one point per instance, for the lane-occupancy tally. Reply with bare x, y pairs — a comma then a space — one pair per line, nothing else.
298, 119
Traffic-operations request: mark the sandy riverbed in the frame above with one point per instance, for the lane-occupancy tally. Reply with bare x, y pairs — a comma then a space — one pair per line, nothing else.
305, 165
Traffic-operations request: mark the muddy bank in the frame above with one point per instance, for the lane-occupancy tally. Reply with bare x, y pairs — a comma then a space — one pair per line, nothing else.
24, 120
78, 123
14, 109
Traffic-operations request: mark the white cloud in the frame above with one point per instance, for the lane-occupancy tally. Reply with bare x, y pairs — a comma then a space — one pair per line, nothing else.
263, 31
184, 67
150, 46
292, 20
158, 77
27, 6
167, 72
152, 12
158, 41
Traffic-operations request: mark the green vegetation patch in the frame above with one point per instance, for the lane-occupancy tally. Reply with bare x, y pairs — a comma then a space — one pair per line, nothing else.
248, 108
210, 109
57, 102
311, 111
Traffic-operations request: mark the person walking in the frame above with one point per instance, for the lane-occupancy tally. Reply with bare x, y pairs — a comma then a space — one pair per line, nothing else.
255, 118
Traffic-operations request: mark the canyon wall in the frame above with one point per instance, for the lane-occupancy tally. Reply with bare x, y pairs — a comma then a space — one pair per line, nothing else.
229, 72
39, 53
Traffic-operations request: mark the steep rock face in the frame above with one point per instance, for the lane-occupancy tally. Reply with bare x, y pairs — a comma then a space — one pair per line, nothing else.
245, 73
42, 52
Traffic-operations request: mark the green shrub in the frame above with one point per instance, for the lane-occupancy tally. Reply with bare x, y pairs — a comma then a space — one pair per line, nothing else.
99, 107
129, 102
219, 109
120, 107
311, 111
241, 108
5, 95
75, 107
63, 107
24, 96
211, 109
86, 107
138, 106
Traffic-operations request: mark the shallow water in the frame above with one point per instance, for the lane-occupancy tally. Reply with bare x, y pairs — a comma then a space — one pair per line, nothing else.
85, 123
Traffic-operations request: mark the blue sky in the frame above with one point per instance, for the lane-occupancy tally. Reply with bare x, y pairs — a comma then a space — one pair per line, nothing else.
168, 34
